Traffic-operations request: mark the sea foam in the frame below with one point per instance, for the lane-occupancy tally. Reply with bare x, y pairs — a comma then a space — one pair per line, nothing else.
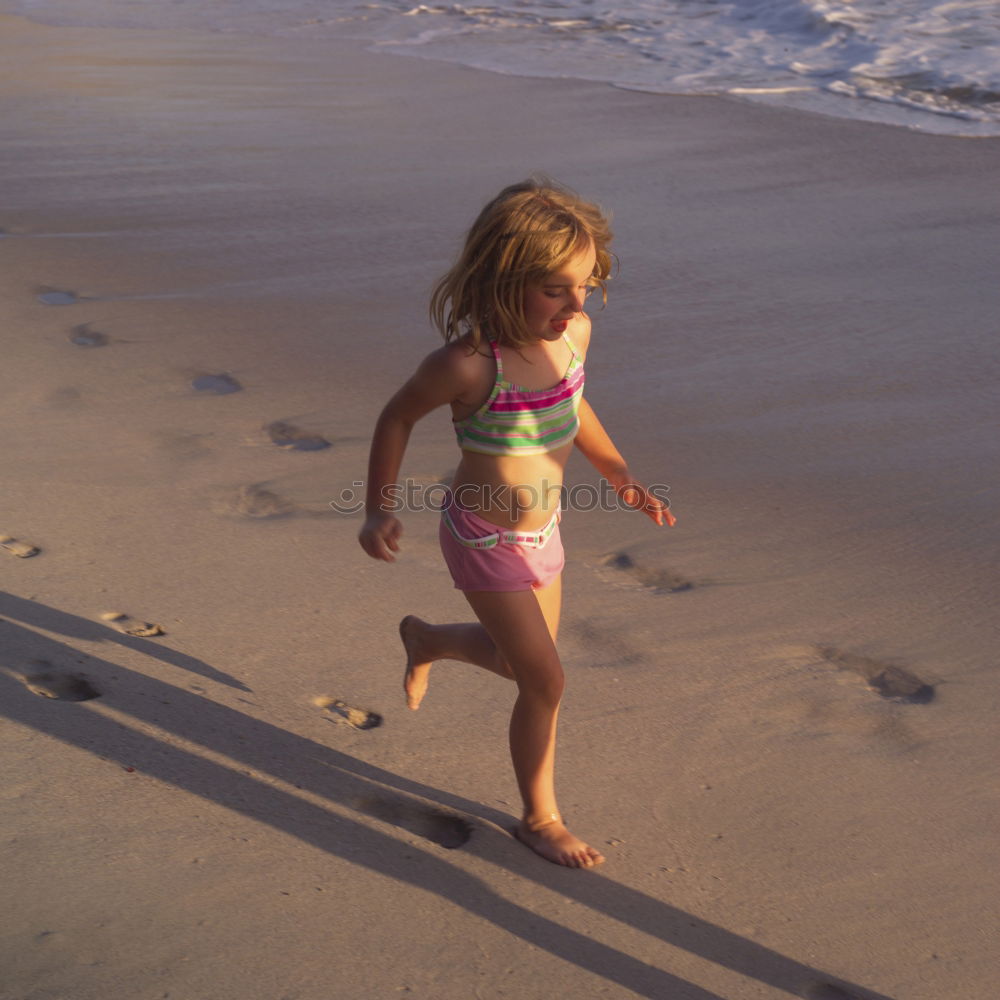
923, 64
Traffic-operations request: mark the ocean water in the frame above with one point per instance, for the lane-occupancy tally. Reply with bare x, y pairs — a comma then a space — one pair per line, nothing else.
922, 64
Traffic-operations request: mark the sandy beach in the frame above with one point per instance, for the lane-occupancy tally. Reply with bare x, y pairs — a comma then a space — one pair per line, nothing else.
780, 723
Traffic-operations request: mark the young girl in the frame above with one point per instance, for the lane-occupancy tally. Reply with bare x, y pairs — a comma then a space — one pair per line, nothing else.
511, 369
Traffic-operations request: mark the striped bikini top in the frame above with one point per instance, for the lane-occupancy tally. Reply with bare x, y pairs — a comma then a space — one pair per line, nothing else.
516, 421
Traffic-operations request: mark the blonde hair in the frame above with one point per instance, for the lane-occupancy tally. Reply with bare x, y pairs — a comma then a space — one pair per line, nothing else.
526, 233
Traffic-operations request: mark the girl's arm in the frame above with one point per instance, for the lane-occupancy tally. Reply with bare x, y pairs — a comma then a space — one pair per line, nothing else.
444, 376
598, 448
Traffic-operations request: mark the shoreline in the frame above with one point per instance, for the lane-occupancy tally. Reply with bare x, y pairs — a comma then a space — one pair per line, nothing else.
830, 101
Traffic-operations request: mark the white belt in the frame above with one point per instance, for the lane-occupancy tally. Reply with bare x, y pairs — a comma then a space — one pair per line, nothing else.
531, 539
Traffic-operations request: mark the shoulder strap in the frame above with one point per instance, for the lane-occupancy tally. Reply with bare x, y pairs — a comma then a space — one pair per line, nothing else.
496, 354
572, 347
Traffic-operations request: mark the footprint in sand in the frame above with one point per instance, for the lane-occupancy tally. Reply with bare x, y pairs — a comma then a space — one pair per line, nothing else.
659, 581
83, 336
218, 385
57, 297
48, 682
66, 397
605, 645
888, 679
182, 445
253, 501
442, 828
357, 718
128, 625
287, 435
23, 550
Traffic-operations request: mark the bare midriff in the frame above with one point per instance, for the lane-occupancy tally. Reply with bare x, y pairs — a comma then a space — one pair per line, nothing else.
511, 491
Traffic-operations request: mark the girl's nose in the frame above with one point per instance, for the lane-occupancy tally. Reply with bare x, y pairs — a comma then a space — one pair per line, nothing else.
578, 301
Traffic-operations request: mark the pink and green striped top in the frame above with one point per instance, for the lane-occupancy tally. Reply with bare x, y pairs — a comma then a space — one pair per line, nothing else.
517, 421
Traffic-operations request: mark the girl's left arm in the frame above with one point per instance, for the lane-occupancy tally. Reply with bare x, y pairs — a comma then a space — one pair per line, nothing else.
598, 448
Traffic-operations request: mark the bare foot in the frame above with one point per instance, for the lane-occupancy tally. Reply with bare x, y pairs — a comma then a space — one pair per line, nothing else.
550, 839
417, 667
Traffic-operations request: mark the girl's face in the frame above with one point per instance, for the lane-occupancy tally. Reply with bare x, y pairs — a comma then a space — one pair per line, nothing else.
550, 304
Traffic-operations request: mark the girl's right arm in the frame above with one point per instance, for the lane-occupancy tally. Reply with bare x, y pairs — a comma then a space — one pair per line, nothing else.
444, 376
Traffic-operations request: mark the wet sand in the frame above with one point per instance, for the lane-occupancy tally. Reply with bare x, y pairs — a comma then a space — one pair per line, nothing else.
780, 719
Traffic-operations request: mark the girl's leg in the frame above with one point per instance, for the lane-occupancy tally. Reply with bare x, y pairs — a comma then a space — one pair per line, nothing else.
523, 625
468, 643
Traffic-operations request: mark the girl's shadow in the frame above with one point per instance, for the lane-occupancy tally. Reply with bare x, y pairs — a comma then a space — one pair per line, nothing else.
428, 812
53, 620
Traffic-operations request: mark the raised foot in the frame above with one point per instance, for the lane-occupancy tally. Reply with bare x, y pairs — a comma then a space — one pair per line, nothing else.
418, 667
552, 841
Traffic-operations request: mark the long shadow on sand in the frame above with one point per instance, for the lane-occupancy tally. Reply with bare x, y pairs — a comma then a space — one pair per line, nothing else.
53, 620
351, 784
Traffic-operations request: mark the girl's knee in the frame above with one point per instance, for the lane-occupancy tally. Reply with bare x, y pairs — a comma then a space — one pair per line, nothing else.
545, 682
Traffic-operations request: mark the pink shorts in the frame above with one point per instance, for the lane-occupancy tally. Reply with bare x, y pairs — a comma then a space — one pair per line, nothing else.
501, 566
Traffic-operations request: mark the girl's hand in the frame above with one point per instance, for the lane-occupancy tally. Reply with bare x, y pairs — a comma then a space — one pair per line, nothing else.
636, 496
380, 536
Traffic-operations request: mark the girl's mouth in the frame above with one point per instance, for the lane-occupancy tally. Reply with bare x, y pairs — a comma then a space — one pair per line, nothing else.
559, 325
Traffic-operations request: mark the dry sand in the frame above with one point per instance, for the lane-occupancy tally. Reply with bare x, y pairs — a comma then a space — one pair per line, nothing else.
801, 343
